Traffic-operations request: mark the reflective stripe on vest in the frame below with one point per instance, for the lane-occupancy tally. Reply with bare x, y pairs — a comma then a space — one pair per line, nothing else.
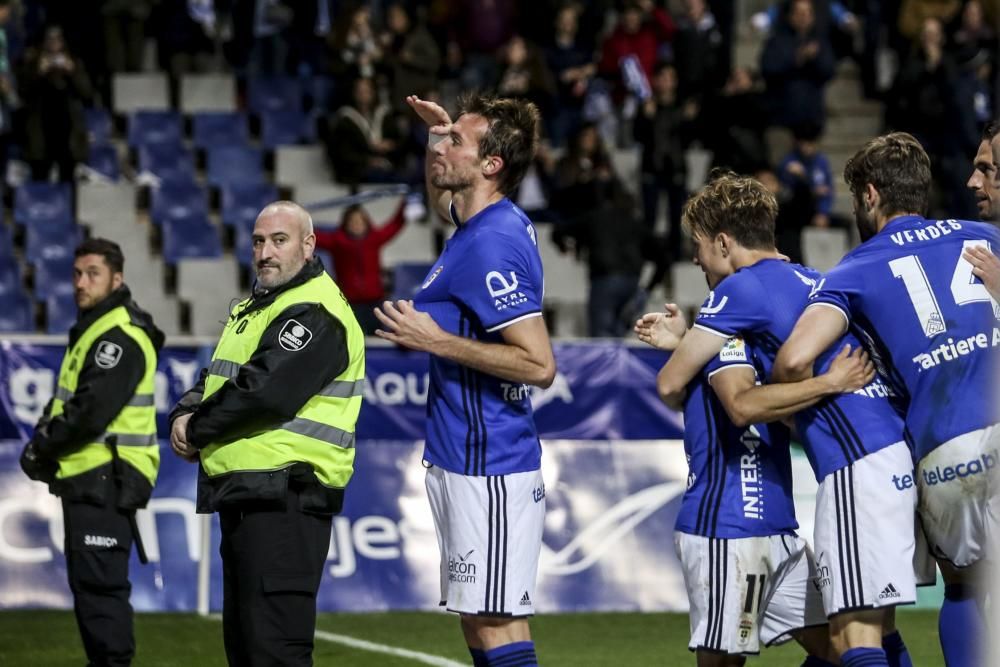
322, 431
135, 425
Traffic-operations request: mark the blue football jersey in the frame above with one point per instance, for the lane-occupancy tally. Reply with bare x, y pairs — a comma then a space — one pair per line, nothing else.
761, 303
739, 479
910, 295
488, 277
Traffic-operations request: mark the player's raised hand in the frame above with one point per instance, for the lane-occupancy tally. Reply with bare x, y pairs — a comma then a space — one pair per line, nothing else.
986, 267
407, 326
850, 371
663, 331
432, 113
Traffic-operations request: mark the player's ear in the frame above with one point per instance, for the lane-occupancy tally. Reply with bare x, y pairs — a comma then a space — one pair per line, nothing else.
871, 197
492, 165
724, 243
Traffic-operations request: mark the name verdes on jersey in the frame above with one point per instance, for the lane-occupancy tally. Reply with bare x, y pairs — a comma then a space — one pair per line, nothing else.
751, 484
935, 230
951, 349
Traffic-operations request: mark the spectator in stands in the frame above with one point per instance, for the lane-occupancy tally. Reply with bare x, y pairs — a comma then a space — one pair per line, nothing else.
363, 139
124, 33
796, 207
479, 29
914, 13
661, 128
55, 87
356, 247
582, 174
643, 31
354, 48
806, 164
973, 32
523, 74
9, 99
733, 123
797, 63
411, 57
182, 44
702, 64
572, 66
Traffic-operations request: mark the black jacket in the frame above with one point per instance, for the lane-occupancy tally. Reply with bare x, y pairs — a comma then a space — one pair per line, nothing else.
271, 387
100, 395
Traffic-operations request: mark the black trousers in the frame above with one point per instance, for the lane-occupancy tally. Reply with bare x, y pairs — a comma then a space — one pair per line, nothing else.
98, 542
272, 562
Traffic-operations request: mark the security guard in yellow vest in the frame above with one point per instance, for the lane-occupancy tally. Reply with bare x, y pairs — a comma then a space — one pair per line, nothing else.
96, 446
272, 422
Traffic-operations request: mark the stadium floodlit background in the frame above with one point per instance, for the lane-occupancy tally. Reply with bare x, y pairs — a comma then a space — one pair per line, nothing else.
166, 124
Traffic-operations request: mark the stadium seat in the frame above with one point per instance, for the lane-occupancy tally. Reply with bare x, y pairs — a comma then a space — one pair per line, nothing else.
241, 202
16, 313
214, 129
274, 93
207, 92
822, 249
103, 158
283, 127
172, 162
6, 244
235, 164
131, 92
60, 312
10, 279
189, 237
50, 242
98, 126
53, 275
243, 243
414, 244
407, 279
176, 200
43, 203
155, 127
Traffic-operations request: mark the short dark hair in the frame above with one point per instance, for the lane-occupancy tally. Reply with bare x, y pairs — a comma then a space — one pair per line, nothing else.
109, 250
898, 167
512, 133
991, 130
737, 205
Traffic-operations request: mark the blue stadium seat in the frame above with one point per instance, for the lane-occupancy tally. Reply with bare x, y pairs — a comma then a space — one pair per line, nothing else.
155, 127
50, 242
98, 126
407, 279
273, 93
235, 164
327, 260
190, 237
6, 244
167, 161
10, 279
103, 158
53, 275
60, 312
43, 203
220, 128
243, 243
17, 313
241, 202
176, 200
320, 92
282, 127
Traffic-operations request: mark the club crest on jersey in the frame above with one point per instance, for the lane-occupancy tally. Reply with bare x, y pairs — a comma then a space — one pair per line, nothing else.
734, 350
293, 336
505, 294
108, 354
432, 277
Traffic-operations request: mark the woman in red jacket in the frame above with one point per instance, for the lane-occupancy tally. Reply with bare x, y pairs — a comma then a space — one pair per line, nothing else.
356, 248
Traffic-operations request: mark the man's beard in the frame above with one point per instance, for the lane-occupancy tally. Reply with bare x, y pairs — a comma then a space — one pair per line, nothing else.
865, 225
453, 183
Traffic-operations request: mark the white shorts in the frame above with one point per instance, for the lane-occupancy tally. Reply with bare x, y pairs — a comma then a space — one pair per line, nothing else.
489, 531
865, 533
747, 591
957, 484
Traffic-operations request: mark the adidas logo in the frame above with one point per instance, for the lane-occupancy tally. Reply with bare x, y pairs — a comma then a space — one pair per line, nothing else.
889, 592
525, 600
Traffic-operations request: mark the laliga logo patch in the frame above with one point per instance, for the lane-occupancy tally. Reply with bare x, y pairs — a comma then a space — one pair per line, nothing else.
108, 354
734, 350
431, 277
293, 336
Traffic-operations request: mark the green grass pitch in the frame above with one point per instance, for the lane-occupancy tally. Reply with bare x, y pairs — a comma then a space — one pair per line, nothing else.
49, 639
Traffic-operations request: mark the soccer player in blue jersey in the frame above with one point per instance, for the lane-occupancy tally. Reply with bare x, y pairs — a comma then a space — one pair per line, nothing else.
985, 186
478, 314
749, 577
911, 294
864, 538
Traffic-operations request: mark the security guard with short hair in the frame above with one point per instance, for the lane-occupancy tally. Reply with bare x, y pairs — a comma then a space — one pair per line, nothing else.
272, 421
96, 447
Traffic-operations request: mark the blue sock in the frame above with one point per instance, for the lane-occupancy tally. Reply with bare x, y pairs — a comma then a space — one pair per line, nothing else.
478, 657
518, 654
863, 657
960, 626
813, 661
895, 650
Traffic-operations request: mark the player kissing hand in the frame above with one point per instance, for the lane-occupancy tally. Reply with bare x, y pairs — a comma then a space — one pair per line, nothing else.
407, 326
850, 371
663, 331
